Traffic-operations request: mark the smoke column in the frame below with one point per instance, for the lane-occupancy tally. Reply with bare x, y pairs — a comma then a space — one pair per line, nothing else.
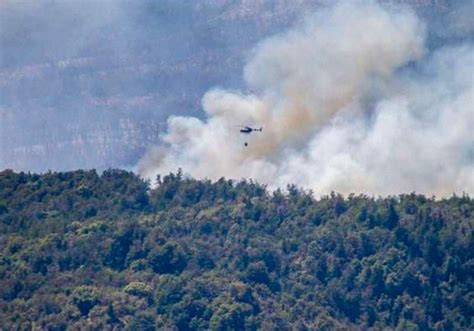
350, 100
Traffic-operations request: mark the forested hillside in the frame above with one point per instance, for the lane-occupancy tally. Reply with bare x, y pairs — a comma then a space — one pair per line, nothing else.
81, 250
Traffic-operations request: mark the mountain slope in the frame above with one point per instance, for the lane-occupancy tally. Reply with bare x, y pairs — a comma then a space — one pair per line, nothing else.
81, 250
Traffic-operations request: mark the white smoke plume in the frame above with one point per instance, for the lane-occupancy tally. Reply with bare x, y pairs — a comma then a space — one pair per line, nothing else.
350, 100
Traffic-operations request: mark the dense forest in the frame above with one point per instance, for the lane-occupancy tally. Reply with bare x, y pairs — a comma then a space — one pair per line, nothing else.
87, 251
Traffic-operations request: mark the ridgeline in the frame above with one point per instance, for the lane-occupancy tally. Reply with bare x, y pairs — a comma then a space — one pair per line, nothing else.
81, 250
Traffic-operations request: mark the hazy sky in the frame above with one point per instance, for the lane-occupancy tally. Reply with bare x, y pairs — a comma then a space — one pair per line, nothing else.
87, 83
90, 84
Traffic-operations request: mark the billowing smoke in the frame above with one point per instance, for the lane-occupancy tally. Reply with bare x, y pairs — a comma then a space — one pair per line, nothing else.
350, 100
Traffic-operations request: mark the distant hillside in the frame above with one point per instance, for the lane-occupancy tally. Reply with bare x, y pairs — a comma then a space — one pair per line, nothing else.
96, 93
84, 251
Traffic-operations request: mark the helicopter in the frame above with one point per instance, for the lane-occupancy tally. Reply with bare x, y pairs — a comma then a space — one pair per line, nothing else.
248, 130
